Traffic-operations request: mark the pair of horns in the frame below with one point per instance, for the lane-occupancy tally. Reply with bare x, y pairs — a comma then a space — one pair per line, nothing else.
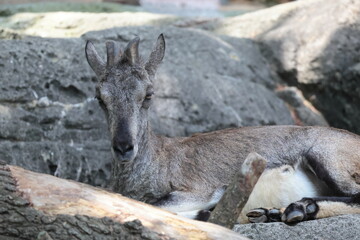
131, 52
130, 55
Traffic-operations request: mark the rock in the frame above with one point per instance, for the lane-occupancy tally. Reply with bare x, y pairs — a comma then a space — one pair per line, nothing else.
303, 112
315, 46
198, 97
50, 121
340, 227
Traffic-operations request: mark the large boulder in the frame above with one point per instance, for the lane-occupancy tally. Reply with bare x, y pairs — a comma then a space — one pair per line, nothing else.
51, 123
205, 82
315, 46
49, 119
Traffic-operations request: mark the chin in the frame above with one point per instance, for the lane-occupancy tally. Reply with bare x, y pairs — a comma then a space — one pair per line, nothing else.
127, 158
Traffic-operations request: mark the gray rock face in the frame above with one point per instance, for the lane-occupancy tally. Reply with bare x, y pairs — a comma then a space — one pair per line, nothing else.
49, 119
303, 112
323, 62
51, 123
315, 46
205, 82
340, 227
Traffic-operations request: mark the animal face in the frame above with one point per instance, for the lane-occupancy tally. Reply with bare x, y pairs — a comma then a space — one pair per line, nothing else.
125, 96
125, 92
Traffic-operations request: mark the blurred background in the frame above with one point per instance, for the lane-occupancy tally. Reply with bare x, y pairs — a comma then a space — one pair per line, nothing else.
210, 8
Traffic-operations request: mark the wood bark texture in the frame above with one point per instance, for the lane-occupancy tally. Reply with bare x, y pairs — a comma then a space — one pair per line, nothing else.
237, 193
40, 206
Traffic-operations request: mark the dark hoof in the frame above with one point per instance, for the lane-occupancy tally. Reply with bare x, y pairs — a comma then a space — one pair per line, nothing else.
262, 215
302, 210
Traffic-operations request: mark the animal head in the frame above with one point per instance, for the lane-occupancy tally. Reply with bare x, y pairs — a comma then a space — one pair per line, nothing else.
125, 91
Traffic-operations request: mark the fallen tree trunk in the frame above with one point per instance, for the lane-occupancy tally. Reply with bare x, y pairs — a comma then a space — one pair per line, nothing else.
40, 206
237, 193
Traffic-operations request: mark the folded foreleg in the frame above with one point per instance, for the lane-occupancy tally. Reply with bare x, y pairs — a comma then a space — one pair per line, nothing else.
307, 209
190, 204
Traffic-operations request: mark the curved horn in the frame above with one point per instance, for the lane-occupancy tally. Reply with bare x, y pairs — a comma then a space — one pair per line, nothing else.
113, 53
110, 50
117, 53
131, 52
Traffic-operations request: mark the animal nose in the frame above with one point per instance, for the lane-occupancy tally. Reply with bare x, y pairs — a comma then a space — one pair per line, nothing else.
122, 148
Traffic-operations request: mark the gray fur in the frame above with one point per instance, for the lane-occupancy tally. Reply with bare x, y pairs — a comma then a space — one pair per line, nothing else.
170, 171
156, 56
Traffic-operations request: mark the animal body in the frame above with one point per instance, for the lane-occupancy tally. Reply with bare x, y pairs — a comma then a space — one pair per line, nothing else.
312, 172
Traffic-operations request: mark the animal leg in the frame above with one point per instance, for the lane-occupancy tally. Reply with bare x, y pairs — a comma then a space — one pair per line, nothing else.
262, 215
307, 209
277, 187
190, 204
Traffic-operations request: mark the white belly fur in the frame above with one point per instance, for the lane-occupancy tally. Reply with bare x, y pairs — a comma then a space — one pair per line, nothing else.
278, 188
189, 206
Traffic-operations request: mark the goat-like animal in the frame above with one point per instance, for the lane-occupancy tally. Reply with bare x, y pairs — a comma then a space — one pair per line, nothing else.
189, 174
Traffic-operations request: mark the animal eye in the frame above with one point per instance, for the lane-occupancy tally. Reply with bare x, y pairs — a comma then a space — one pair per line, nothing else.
147, 100
148, 96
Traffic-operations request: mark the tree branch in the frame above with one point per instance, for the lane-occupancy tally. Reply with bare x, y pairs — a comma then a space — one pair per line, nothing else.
237, 193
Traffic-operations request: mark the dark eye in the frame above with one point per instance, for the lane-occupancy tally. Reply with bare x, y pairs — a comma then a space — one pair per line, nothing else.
148, 96
147, 100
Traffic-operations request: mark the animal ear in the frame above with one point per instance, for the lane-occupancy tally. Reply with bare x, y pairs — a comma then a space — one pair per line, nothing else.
156, 56
131, 52
93, 58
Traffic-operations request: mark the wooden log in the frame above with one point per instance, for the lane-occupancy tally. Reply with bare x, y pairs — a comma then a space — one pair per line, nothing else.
40, 206
237, 193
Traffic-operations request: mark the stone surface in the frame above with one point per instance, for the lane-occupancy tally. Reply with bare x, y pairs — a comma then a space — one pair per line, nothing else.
197, 97
51, 123
313, 45
340, 227
49, 119
302, 110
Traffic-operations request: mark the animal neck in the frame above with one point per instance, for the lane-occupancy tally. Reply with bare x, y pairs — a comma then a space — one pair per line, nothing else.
135, 179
